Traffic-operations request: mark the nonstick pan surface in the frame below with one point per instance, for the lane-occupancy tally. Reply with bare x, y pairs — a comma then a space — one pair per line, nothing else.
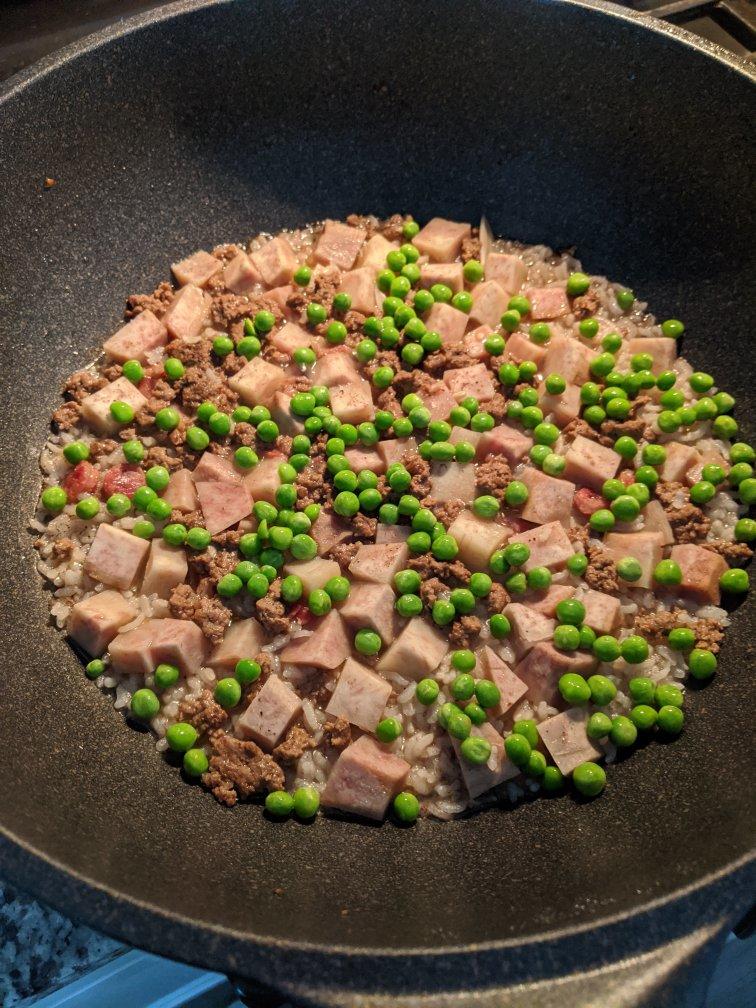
566, 123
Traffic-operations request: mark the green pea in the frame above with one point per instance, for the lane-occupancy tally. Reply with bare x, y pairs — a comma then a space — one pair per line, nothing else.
643, 717
606, 648
577, 564
589, 779
95, 668
367, 642
87, 508
670, 719
143, 529
195, 762
669, 695
499, 626
539, 578
540, 333
672, 328
388, 730
599, 725
167, 418
173, 368
144, 704
577, 284
247, 671
667, 572
227, 693
623, 733
603, 690
573, 687
702, 664
518, 749
76, 452
406, 807
487, 694
305, 802
279, 804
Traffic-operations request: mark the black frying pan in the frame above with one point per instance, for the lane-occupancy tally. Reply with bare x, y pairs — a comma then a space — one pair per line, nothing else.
562, 122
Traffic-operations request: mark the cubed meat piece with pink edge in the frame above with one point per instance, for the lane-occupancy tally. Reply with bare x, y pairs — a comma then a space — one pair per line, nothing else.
337, 367
353, 402
449, 322
275, 262
359, 284
564, 735
549, 546
511, 688
439, 402
509, 271
360, 696
364, 779
366, 458
393, 449
289, 338
569, 358
564, 406
95, 408
374, 252
94, 622
242, 639
134, 341
116, 558
240, 275
257, 382
481, 777
313, 573
489, 302
602, 612
281, 413
327, 648
452, 481
474, 342
339, 244
512, 443
543, 666
589, 463
270, 713
662, 349
475, 381
441, 240
477, 538
529, 627
417, 651
449, 274
547, 302
197, 269
550, 498
645, 547
680, 459
187, 314
215, 468
263, 480
223, 504
545, 602
173, 641
519, 348
180, 492
372, 606
166, 567
327, 530
701, 570
655, 520
378, 562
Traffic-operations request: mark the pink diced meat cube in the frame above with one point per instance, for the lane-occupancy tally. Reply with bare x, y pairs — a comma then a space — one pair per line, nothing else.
452, 481
359, 284
547, 302
196, 269
441, 240
360, 696
339, 244
550, 498
416, 652
327, 648
655, 520
701, 570
116, 558
549, 545
449, 274
180, 492
95, 408
280, 412
473, 343
529, 627
352, 403
166, 567
511, 688
257, 382
565, 737
134, 341
507, 270
243, 639
94, 622
187, 313
590, 463
490, 301
240, 276
223, 504
371, 605
378, 562
270, 713
449, 322
482, 777
275, 262
364, 779
504, 440
473, 381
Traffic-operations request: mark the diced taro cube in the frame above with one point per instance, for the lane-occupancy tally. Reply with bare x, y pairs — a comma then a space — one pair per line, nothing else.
366, 458
243, 639
263, 480
680, 458
565, 737
565, 406
529, 627
240, 276
378, 562
441, 240
187, 313
196, 269
645, 547
352, 403
393, 449
289, 338
335, 368
313, 573
327, 530
180, 492
474, 342
280, 412
472, 437
546, 601
550, 498
257, 382
275, 262
270, 713
602, 611
520, 349
655, 520
94, 622
416, 652
489, 302
569, 358
364, 779
439, 402
701, 570
392, 533
176, 642
449, 322
116, 558
504, 440
549, 545
477, 539
474, 381
223, 504
327, 648
590, 463
543, 666
339, 244
215, 468
135, 340
371, 605
95, 408
501, 675
662, 349
449, 274
166, 567
482, 777
547, 302
360, 696
452, 481
374, 252
507, 270
359, 284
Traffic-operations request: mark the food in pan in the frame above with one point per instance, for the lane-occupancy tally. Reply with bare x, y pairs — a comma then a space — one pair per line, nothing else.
390, 519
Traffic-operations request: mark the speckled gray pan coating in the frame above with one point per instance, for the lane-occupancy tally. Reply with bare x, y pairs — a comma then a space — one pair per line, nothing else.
562, 124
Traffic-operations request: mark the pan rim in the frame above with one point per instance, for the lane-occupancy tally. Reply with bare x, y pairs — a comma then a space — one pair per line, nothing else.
16, 85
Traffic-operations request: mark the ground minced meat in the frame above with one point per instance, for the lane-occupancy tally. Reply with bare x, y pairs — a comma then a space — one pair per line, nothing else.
210, 615
240, 769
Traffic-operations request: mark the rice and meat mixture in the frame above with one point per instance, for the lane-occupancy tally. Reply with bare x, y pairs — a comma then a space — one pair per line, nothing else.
371, 516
